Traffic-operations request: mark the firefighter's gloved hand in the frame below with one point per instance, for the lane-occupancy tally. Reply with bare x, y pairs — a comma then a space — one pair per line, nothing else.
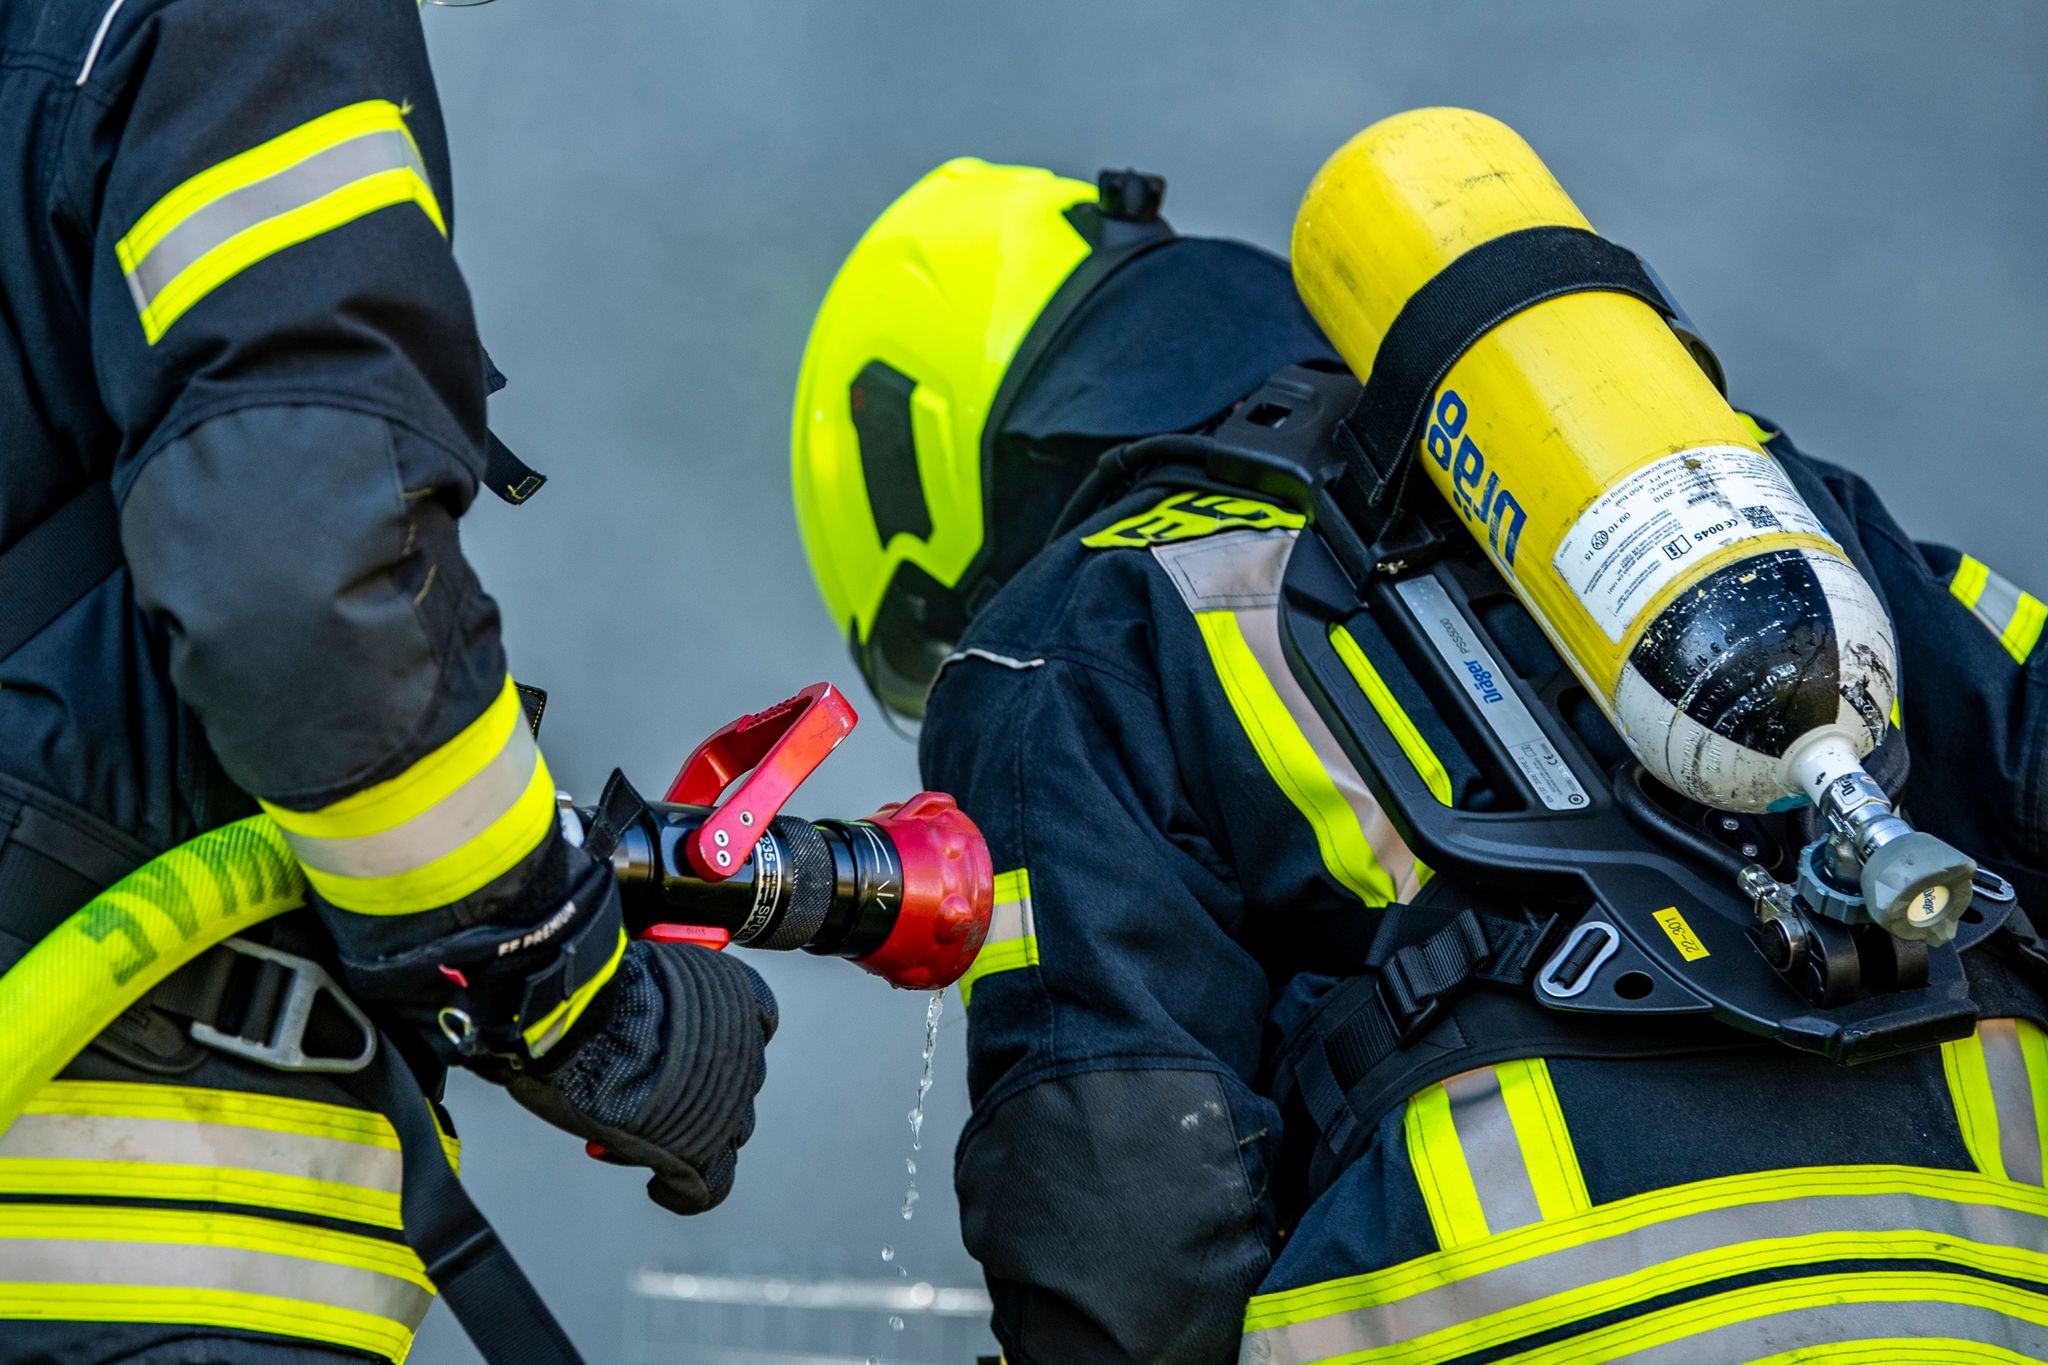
669, 1083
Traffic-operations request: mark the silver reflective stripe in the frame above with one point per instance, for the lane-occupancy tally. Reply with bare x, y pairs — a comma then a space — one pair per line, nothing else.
1525, 1282
1834, 1324
1240, 572
177, 1142
1011, 920
1998, 603
195, 1265
2012, 1095
293, 187
441, 829
1493, 1153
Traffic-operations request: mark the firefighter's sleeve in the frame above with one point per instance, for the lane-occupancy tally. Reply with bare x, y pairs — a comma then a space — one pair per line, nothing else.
1113, 1176
288, 350
1973, 694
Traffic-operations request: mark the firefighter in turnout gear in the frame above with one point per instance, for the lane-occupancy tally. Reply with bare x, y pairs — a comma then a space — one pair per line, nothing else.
241, 409
1188, 863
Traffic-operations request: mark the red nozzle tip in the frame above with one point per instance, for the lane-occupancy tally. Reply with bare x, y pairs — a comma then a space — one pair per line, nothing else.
948, 894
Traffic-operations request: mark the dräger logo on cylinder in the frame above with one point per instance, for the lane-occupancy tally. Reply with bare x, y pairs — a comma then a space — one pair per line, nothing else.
1476, 491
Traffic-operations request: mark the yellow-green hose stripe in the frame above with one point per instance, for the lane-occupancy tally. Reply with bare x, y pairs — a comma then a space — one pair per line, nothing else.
131, 936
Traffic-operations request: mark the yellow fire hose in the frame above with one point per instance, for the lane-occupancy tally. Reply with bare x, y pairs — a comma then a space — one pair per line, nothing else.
130, 937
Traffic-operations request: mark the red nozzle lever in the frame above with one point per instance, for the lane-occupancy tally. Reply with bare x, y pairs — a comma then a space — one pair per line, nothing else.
781, 746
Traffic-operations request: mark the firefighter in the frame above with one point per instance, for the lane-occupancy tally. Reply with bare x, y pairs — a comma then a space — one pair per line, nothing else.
1168, 812
241, 410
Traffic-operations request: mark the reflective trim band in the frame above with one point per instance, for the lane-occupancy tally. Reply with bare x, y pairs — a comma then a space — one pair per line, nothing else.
551, 1027
112, 1264
300, 184
1427, 765
447, 826
1491, 1152
2015, 617
1900, 1351
1998, 1082
1012, 933
1231, 583
1547, 1275
136, 1140
1822, 1312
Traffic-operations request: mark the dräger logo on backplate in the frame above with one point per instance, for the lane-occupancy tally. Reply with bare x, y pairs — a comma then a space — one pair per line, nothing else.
1482, 681
1476, 491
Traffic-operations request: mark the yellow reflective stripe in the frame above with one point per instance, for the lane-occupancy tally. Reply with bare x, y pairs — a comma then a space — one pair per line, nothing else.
550, 1028
1441, 1173
2023, 632
469, 811
215, 1308
1998, 1082
1901, 1351
1621, 1219
91, 1178
205, 1227
1291, 760
1230, 583
418, 789
1012, 940
1546, 1143
270, 197
1967, 584
1969, 1091
1491, 1151
1898, 719
1012, 887
1427, 766
1694, 1321
1758, 432
150, 1100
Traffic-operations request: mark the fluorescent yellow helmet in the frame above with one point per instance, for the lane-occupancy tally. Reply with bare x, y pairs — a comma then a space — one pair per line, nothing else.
931, 326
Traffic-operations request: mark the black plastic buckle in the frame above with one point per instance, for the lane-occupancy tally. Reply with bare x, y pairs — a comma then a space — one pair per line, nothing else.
1413, 990
273, 1030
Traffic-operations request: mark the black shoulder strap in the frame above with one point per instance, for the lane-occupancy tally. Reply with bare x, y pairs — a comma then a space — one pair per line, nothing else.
1441, 321
61, 559
476, 1276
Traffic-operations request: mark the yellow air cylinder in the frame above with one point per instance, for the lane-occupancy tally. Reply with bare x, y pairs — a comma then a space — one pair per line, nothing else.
1665, 552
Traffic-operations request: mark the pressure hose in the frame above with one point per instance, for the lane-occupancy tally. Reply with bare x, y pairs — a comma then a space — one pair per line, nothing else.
131, 936
906, 894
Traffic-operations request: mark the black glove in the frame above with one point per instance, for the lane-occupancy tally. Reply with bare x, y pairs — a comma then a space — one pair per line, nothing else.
669, 1082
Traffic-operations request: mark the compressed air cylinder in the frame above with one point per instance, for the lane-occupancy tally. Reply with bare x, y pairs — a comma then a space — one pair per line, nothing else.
1714, 620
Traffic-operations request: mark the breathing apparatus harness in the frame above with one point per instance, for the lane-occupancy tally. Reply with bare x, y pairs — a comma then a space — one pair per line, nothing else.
1606, 916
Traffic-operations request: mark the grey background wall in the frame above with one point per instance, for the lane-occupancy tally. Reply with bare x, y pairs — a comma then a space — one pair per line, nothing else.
653, 195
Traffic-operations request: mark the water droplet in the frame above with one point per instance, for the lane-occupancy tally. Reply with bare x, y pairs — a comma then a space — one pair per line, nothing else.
910, 1164
888, 1253
895, 1323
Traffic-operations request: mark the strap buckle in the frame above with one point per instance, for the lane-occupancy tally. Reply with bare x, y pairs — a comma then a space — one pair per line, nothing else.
1417, 979
273, 1025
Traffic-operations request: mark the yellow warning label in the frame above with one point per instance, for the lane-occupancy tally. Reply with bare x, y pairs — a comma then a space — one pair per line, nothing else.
1681, 935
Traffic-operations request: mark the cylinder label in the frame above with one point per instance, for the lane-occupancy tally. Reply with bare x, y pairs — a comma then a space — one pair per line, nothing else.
1655, 524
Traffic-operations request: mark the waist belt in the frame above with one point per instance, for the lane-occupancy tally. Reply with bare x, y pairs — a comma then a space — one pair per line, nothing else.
1413, 1018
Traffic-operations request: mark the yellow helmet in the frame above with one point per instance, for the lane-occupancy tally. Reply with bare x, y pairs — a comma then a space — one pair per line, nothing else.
936, 319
